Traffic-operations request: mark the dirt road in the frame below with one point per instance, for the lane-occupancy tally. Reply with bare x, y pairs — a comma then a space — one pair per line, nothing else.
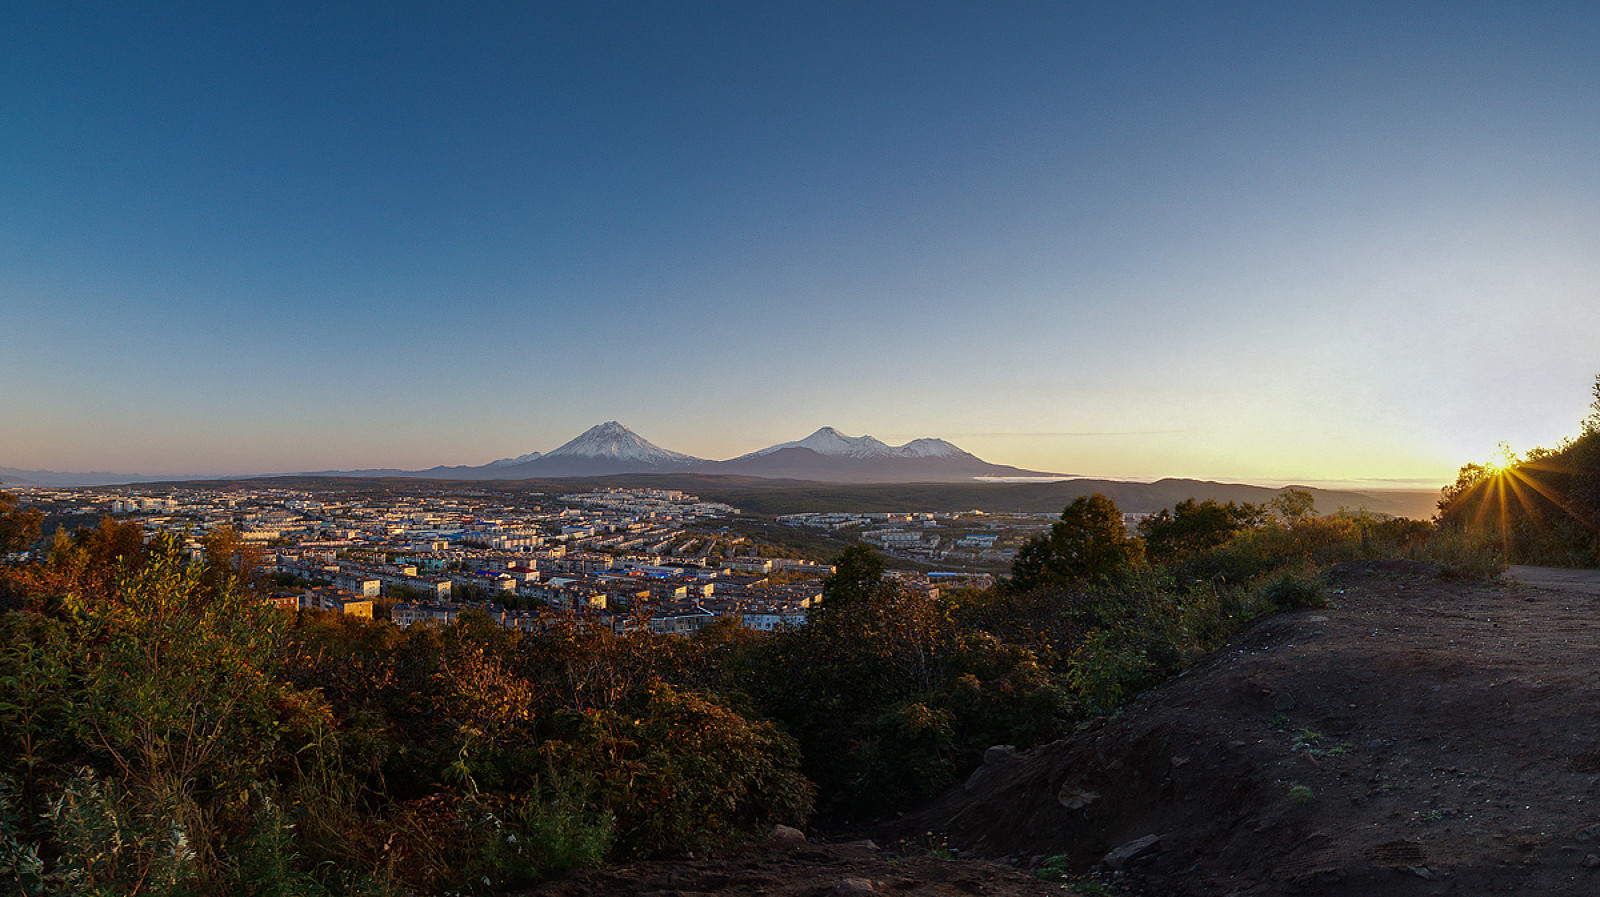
1556, 578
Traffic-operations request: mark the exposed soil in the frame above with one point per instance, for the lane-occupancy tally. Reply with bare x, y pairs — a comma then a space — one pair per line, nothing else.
1418, 736
781, 868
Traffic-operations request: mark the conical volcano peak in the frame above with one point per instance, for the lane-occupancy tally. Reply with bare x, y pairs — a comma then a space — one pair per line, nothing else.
614, 441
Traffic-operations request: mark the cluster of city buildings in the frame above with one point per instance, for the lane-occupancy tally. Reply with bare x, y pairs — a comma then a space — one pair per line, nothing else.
624, 590
630, 557
970, 539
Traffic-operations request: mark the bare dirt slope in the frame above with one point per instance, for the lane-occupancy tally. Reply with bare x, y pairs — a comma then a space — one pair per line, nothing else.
1418, 736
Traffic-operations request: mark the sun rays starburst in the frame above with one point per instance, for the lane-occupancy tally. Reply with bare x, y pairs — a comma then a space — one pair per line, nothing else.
1510, 490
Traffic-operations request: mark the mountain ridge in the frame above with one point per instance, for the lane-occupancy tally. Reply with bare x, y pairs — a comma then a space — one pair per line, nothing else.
829, 441
832, 457
826, 455
789, 464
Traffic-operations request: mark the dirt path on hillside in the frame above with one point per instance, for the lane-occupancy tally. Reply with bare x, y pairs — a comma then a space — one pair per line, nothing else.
1556, 578
1418, 736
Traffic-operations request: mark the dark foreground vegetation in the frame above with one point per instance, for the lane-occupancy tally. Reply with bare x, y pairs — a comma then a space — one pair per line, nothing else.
164, 732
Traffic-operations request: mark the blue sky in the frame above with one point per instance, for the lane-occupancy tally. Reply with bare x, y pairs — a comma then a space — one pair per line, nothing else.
1264, 242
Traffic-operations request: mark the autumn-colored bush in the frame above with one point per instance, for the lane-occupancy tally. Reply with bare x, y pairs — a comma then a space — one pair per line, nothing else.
681, 771
145, 709
895, 694
168, 732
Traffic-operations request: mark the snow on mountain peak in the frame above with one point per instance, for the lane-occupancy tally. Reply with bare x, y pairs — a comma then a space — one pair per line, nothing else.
828, 441
613, 441
930, 448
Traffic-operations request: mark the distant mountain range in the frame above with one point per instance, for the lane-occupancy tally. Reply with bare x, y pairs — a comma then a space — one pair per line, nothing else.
828, 456
825, 456
827, 460
611, 449
826, 471
17, 476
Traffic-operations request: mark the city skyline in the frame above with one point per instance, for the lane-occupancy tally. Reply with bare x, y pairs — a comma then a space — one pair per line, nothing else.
1273, 243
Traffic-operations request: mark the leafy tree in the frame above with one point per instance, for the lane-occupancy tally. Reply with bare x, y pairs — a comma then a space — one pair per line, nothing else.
1541, 509
1090, 543
88, 561
1294, 504
160, 688
1582, 458
890, 699
1469, 478
229, 558
19, 526
681, 771
857, 578
1191, 527
1591, 423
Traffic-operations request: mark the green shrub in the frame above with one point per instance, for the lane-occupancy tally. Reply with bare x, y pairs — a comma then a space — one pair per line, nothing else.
561, 832
909, 752
1000, 693
1208, 616
1463, 553
519, 840
1056, 868
267, 862
21, 870
683, 772
1104, 673
109, 846
1292, 589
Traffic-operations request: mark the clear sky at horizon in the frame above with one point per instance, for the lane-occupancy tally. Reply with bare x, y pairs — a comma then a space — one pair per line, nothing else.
1265, 242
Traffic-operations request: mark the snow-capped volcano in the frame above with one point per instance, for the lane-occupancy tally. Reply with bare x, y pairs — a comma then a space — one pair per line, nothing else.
605, 450
832, 457
830, 442
931, 448
614, 442
827, 455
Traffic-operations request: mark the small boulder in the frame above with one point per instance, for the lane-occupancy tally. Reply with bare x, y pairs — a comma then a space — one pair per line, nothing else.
1132, 852
995, 757
785, 834
1074, 797
1000, 753
853, 887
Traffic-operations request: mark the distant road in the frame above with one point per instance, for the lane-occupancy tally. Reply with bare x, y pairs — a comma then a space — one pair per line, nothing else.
1585, 581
